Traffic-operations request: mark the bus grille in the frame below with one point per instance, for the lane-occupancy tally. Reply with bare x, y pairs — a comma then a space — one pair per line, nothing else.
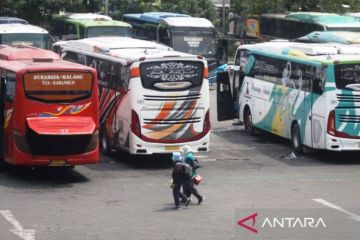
56, 145
348, 98
349, 118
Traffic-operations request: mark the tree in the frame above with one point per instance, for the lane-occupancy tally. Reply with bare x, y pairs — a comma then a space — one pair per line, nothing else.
281, 6
195, 8
40, 11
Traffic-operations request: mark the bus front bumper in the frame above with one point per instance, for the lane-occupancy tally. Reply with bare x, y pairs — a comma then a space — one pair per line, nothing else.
139, 146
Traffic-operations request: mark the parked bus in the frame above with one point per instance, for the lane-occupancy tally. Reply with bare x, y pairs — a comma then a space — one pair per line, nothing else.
297, 24
50, 109
70, 26
25, 34
181, 32
152, 99
308, 93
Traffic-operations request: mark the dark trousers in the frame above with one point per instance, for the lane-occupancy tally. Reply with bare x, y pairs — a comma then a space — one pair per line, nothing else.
177, 194
189, 188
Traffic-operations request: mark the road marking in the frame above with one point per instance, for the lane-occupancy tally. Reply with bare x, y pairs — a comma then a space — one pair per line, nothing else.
201, 156
353, 216
26, 234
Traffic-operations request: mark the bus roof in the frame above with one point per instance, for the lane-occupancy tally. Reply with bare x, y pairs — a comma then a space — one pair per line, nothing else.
327, 19
90, 20
188, 22
153, 17
24, 57
86, 16
171, 19
317, 52
4, 20
336, 37
98, 22
357, 14
127, 49
20, 28
20, 52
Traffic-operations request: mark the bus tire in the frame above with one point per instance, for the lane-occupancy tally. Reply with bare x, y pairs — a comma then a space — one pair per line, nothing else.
249, 128
104, 142
296, 142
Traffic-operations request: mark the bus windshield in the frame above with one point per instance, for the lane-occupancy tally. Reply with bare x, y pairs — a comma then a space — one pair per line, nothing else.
26, 39
194, 40
102, 31
347, 75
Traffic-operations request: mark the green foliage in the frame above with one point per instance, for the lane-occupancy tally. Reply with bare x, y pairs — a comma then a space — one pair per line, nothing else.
195, 8
281, 6
40, 11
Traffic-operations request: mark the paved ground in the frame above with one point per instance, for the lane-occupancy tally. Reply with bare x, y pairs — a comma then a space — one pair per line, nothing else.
124, 198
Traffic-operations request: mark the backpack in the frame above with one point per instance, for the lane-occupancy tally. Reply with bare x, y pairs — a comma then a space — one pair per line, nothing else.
187, 169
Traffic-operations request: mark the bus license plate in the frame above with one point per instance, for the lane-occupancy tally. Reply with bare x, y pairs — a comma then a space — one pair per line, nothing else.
172, 148
57, 163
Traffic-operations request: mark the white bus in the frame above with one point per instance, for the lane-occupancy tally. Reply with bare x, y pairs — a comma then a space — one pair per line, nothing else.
309, 93
152, 99
25, 34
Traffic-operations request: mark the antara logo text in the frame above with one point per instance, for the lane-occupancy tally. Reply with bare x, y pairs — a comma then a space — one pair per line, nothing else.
281, 222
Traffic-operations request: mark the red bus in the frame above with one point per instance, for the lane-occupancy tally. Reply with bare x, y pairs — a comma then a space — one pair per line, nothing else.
50, 109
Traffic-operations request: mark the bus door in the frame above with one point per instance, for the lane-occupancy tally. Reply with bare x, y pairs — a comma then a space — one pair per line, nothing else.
313, 123
225, 102
307, 119
238, 77
318, 125
2, 116
120, 73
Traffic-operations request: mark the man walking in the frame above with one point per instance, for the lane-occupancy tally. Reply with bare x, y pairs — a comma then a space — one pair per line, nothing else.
181, 174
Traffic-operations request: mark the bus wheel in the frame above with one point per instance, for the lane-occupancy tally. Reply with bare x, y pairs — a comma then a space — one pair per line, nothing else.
104, 142
296, 143
249, 128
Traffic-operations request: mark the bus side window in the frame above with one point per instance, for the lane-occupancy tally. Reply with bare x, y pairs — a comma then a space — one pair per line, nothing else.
104, 71
115, 81
91, 62
125, 76
82, 32
81, 58
69, 32
71, 56
163, 35
10, 86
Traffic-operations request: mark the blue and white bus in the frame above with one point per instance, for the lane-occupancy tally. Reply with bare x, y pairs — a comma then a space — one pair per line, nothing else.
182, 32
309, 93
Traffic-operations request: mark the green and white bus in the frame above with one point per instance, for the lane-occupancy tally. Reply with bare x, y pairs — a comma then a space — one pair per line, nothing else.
72, 26
309, 93
298, 24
